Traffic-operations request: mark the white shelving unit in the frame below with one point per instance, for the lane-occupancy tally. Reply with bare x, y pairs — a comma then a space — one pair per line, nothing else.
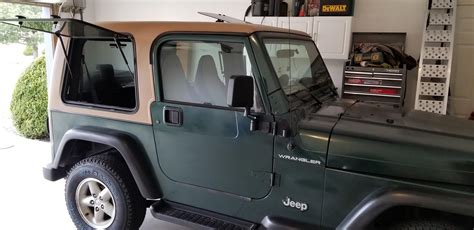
331, 34
436, 57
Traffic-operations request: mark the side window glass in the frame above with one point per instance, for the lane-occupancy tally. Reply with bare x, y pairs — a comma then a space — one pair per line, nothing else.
198, 72
100, 75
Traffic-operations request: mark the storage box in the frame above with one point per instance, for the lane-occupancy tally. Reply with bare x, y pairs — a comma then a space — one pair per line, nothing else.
375, 84
336, 8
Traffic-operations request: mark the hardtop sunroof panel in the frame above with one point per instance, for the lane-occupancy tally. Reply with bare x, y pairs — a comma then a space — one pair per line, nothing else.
65, 27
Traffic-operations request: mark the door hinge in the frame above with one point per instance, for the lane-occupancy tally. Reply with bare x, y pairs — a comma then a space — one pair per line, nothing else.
273, 128
272, 179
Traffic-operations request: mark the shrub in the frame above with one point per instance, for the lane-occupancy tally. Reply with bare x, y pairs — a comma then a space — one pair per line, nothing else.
30, 101
28, 51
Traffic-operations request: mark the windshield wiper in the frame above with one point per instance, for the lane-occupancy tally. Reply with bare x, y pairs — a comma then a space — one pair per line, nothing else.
302, 99
314, 97
310, 93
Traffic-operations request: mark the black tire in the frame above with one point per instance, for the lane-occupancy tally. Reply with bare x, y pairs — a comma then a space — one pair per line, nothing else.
128, 204
425, 225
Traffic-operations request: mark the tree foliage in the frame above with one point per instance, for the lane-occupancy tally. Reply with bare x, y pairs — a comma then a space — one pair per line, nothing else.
30, 101
14, 34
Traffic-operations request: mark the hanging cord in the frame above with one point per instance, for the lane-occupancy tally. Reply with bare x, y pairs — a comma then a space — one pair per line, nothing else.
81, 13
73, 11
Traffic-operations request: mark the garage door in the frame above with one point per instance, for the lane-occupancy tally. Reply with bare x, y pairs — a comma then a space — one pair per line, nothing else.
462, 79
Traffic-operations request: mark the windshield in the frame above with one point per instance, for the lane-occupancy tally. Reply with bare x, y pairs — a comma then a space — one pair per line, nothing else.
300, 70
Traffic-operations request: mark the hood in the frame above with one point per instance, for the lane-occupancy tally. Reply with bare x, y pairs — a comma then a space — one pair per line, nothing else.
380, 140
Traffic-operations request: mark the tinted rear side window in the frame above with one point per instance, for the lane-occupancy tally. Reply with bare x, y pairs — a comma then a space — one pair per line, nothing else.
100, 74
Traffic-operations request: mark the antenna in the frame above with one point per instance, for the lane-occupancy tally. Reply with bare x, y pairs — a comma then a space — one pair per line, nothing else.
223, 18
291, 141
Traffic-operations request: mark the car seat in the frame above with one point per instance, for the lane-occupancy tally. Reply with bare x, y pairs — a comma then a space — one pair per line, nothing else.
208, 84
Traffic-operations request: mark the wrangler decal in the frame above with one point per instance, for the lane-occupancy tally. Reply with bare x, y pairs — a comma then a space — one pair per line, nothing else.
299, 159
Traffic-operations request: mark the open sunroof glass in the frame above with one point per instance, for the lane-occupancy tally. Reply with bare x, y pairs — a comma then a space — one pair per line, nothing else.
65, 27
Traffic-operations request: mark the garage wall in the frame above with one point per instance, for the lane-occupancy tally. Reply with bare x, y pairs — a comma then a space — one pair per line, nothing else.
165, 10
370, 15
405, 16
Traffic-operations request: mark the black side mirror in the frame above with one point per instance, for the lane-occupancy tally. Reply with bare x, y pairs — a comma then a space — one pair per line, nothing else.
240, 95
240, 92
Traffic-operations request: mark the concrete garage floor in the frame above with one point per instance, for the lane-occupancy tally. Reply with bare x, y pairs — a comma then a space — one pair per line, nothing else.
31, 202
28, 200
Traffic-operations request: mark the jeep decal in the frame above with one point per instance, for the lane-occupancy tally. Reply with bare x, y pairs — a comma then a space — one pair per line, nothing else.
295, 204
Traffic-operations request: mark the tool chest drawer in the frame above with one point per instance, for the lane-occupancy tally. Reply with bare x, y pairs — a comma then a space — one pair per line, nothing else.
374, 84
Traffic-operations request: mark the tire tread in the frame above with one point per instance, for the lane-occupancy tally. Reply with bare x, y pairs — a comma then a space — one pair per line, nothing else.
118, 170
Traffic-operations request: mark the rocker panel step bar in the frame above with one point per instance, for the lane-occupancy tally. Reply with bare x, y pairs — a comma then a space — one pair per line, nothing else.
195, 218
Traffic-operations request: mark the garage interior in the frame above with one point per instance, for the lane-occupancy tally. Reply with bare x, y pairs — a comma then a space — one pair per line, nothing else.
402, 22
334, 38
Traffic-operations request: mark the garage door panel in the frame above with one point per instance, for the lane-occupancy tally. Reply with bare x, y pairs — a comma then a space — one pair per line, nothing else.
460, 107
461, 101
465, 2
464, 38
465, 25
463, 75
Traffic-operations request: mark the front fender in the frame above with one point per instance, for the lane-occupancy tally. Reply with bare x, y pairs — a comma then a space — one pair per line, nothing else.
373, 205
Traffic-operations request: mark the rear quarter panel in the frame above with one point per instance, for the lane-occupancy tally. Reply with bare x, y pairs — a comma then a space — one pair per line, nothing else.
62, 122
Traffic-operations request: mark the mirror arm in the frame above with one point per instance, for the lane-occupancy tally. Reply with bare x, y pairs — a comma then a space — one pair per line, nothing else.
275, 128
248, 114
253, 119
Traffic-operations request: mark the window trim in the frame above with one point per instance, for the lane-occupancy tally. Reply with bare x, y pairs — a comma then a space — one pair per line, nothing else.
92, 106
202, 37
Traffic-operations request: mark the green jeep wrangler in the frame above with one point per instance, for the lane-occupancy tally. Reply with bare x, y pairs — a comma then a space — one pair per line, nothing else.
239, 126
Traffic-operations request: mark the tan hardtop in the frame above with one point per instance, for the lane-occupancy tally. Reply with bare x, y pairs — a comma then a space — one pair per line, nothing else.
156, 28
144, 34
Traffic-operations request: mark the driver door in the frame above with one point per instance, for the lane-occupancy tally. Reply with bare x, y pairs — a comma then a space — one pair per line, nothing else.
200, 140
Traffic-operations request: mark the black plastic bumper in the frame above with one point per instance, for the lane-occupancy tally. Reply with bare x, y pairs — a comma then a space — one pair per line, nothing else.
53, 174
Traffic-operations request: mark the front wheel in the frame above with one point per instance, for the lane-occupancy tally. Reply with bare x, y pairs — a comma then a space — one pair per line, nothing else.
101, 193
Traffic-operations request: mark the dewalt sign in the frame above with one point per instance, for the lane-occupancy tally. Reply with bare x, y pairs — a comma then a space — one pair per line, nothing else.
336, 8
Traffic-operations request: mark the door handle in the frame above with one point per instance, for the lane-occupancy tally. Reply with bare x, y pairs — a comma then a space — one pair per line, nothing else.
172, 116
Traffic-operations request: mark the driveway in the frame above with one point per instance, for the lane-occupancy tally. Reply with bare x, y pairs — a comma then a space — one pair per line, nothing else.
28, 200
